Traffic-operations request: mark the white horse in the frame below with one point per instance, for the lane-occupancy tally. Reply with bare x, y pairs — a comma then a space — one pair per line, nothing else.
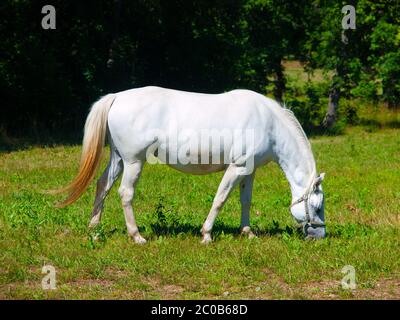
152, 118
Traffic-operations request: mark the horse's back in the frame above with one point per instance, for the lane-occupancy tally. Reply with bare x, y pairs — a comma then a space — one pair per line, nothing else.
141, 116
229, 108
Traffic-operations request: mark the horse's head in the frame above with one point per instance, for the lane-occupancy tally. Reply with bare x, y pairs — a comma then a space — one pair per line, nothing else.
309, 210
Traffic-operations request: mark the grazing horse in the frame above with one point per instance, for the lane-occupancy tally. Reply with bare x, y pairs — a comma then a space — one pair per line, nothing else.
165, 123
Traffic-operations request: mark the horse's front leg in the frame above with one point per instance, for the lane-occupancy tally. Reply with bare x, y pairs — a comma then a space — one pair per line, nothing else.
230, 179
246, 190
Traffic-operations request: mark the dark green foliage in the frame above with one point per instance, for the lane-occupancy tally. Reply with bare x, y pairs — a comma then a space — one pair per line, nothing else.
389, 70
367, 64
49, 78
310, 106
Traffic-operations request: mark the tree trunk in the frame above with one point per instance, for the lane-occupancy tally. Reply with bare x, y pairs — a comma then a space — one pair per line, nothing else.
337, 82
280, 84
331, 114
389, 92
4, 138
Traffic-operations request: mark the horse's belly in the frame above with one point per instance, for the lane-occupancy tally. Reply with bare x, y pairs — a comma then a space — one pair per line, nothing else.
195, 161
198, 169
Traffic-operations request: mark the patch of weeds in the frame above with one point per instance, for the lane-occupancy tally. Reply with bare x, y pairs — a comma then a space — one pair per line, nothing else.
274, 229
97, 237
363, 195
338, 128
25, 211
223, 236
208, 200
345, 293
166, 220
17, 274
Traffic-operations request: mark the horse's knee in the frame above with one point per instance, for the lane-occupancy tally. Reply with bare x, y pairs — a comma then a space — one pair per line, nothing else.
126, 195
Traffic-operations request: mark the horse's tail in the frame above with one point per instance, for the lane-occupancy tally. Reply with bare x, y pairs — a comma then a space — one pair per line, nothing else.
92, 149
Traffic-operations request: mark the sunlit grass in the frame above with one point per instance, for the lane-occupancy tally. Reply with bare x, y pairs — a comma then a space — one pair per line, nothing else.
362, 212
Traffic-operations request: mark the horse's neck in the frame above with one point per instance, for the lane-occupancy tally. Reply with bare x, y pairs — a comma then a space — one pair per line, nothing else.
295, 158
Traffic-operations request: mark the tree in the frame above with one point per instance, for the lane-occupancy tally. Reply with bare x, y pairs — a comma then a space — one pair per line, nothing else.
275, 30
360, 59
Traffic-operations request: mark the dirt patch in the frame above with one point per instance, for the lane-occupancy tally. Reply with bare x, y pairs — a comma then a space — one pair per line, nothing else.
165, 291
7, 290
382, 289
154, 287
76, 289
85, 283
114, 273
279, 281
275, 287
171, 289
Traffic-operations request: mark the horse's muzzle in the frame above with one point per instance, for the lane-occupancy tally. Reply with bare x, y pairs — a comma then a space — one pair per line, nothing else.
314, 232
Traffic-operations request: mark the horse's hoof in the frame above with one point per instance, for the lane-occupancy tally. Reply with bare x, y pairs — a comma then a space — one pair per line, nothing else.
206, 239
93, 223
139, 239
246, 231
251, 235
95, 236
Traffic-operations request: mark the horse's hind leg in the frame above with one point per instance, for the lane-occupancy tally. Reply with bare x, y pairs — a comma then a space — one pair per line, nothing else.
126, 191
230, 179
246, 190
104, 184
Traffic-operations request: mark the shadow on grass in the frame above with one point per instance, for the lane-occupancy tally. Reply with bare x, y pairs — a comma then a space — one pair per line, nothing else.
166, 221
345, 231
220, 228
334, 230
375, 124
8, 144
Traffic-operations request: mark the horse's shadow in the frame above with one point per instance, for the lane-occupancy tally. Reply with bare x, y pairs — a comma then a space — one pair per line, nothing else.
157, 229
220, 228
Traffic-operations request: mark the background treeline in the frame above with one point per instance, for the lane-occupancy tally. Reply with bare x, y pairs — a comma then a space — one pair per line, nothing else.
49, 78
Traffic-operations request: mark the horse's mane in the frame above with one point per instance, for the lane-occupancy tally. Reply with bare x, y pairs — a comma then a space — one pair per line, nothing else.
296, 127
295, 124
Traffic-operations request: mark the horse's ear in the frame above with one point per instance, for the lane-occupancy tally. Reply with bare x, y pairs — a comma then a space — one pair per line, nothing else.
318, 180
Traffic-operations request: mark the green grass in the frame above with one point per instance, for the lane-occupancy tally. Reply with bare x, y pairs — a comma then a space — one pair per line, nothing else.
294, 72
362, 213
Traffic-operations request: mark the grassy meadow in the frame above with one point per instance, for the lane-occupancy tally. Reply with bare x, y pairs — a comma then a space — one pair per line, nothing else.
362, 213
362, 190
